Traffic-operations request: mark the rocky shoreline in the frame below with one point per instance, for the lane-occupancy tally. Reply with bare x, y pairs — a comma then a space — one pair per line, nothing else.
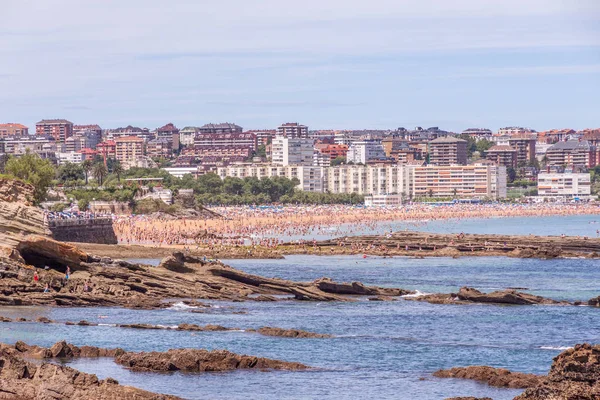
574, 375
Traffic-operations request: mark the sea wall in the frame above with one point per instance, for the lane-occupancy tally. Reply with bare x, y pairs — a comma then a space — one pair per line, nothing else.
98, 230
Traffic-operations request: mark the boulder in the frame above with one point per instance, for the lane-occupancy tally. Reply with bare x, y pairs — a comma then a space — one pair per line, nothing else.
289, 333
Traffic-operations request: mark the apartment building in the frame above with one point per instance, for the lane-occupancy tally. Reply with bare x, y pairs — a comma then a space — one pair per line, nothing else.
564, 184
33, 144
293, 130
311, 178
478, 133
220, 128
160, 147
219, 151
503, 155
226, 139
107, 149
13, 129
87, 128
333, 151
366, 179
59, 129
365, 151
525, 146
264, 136
462, 181
447, 150
129, 149
187, 135
144, 133
399, 150
514, 130
572, 153
297, 151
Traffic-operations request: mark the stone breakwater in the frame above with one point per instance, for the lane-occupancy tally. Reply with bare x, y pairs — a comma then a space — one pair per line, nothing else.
420, 244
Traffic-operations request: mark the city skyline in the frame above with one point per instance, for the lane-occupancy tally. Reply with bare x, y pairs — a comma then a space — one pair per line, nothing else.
329, 65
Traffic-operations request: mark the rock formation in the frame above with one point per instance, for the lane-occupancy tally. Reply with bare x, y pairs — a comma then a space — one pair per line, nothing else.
194, 360
289, 333
497, 377
20, 379
574, 375
468, 295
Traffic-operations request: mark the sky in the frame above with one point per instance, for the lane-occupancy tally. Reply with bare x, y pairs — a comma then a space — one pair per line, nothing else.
328, 64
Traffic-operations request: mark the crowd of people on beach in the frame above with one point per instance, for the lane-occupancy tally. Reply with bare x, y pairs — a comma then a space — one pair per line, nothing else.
270, 226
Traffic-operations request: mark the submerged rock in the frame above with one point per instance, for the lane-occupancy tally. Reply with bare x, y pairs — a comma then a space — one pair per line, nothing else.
467, 295
289, 333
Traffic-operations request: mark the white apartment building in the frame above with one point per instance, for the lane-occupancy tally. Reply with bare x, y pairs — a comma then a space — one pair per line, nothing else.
311, 178
477, 181
564, 184
365, 151
187, 135
383, 200
69, 157
367, 179
286, 151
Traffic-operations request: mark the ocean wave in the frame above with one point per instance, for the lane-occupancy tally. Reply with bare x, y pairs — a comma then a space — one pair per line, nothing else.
168, 326
107, 324
555, 347
417, 293
180, 305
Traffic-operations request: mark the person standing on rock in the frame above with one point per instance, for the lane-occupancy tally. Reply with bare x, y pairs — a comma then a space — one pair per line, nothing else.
47, 288
36, 277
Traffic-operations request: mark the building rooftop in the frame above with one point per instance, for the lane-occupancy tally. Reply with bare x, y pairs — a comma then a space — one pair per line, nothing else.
447, 139
570, 145
224, 125
53, 121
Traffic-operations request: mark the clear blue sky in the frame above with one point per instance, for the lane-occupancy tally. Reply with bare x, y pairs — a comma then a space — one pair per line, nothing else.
325, 63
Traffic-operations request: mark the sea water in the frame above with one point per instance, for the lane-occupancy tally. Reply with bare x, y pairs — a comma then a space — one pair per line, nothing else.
381, 350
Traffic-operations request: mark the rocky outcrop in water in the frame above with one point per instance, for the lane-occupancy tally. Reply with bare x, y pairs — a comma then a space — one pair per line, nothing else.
468, 295
20, 379
497, 377
194, 360
289, 333
574, 375
421, 244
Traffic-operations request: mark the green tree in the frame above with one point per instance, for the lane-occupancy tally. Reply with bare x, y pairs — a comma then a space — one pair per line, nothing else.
34, 170
430, 192
210, 183
233, 186
87, 166
511, 174
70, 172
99, 171
338, 161
483, 145
118, 170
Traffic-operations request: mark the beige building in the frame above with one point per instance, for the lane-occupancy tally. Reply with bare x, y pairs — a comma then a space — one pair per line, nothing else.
129, 149
12, 129
311, 178
367, 179
461, 181
564, 184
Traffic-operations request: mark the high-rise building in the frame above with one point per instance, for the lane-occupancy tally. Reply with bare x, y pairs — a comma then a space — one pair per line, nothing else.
292, 130
60, 129
187, 135
462, 181
447, 151
128, 149
525, 145
286, 151
503, 155
365, 151
13, 129
572, 153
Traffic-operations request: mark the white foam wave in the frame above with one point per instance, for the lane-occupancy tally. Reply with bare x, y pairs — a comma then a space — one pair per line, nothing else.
180, 305
555, 347
417, 293
107, 324
168, 326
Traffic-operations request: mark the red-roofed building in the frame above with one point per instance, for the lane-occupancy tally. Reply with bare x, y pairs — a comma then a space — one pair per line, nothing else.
13, 129
87, 154
107, 149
